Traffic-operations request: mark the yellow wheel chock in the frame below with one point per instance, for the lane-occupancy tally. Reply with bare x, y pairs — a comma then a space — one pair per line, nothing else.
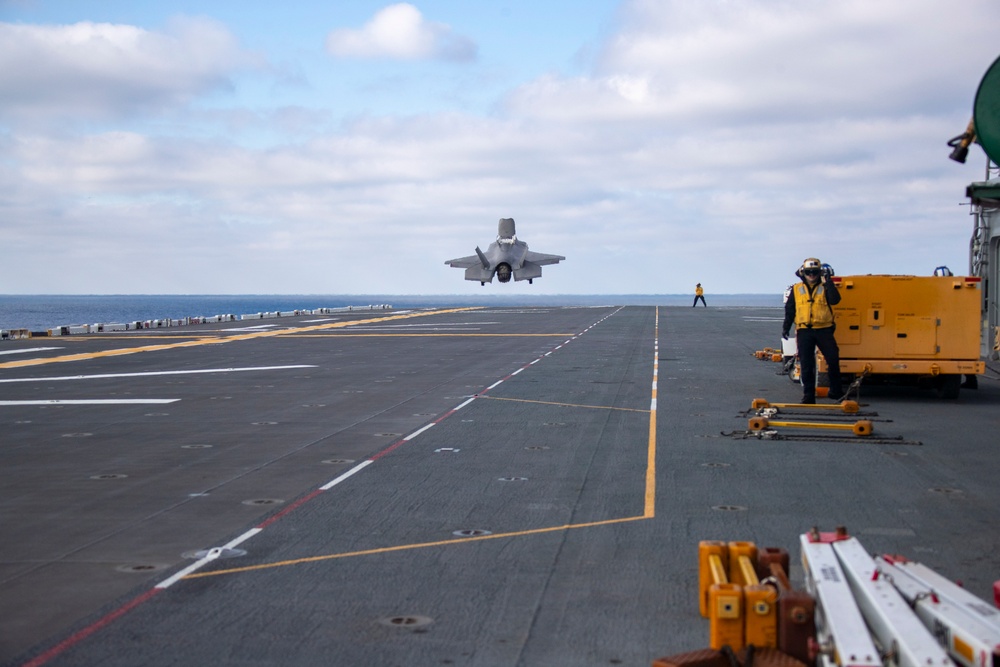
769, 354
860, 427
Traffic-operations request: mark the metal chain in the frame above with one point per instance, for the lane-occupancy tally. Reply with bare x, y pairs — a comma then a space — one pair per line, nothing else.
774, 435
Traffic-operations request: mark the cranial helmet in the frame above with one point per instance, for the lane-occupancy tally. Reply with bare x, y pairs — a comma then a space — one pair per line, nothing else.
809, 263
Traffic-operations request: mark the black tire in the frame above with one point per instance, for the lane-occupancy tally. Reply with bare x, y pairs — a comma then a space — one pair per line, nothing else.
949, 386
793, 370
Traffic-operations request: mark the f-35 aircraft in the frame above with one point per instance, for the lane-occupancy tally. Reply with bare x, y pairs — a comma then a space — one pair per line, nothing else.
505, 258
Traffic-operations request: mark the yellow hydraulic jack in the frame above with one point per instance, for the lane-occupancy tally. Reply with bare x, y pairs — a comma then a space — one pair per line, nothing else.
860, 427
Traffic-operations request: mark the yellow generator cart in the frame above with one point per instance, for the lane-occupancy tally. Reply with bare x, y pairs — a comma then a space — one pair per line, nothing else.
923, 330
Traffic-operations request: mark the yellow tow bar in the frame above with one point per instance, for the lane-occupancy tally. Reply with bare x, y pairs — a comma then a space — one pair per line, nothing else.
861, 427
847, 407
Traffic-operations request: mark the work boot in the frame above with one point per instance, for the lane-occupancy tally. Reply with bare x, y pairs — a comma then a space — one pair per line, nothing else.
808, 399
837, 394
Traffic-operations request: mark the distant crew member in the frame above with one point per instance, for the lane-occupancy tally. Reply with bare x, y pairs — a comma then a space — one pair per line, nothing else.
809, 308
699, 293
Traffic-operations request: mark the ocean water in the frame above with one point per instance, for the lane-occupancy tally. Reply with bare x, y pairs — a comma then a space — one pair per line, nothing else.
42, 312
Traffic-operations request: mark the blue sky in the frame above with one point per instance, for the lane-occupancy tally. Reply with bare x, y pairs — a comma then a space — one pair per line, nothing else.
223, 147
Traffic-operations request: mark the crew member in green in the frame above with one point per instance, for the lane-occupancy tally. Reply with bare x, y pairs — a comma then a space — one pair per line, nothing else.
699, 293
809, 308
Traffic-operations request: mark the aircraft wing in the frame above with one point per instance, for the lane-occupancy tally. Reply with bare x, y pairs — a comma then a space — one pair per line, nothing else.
541, 258
479, 260
464, 262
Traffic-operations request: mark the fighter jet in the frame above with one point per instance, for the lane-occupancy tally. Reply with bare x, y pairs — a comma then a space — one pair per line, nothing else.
505, 258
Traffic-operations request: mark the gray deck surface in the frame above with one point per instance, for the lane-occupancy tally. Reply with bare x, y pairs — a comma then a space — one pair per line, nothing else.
524, 528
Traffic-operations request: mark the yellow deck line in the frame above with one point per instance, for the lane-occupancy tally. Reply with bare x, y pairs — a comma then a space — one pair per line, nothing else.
437, 335
407, 547
649, 511
648, 507
219, 341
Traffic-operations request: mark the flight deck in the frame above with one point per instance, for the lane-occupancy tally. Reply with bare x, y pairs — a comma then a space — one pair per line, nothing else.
464, 486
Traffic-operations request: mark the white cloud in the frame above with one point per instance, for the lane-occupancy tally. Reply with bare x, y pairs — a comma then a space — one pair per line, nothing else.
740, 133
102, 70
401, 32
742, 61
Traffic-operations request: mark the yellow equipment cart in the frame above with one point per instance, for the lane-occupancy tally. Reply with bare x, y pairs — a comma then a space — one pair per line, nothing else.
923, 330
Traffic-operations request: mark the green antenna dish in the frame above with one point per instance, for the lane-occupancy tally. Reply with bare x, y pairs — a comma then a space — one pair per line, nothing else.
986, 112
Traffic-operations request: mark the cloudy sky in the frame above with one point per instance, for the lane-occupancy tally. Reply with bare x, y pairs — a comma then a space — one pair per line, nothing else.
352, 147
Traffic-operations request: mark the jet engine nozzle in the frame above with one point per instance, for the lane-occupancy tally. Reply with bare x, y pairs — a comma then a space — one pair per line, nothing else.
503, 272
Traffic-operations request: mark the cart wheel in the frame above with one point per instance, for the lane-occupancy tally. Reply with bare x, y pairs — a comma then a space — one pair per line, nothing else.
795, 372
863, 427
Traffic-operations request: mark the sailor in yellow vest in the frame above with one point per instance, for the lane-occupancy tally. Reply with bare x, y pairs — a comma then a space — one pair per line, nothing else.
809, 309
699, 293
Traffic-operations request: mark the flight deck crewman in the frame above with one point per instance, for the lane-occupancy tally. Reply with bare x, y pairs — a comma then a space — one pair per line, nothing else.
809, 308
699, 293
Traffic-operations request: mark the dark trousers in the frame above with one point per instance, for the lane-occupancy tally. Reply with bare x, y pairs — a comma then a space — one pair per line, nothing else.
696, 301
807, 341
